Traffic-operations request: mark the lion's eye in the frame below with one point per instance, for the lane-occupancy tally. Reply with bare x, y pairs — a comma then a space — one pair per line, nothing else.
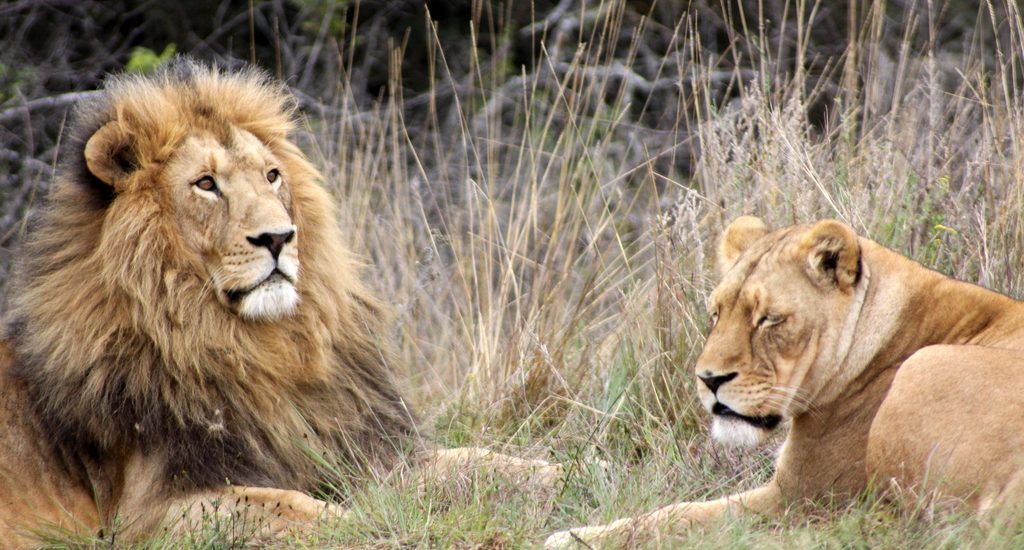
769, 320
714, 318
273, 176
206, 183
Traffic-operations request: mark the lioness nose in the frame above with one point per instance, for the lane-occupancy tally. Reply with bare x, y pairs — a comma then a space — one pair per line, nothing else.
273, 241
714, 382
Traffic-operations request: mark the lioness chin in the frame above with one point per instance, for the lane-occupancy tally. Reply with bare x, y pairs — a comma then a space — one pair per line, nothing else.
888, 371
188, 334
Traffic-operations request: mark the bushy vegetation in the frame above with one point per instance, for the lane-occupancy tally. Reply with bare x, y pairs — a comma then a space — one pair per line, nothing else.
538, 188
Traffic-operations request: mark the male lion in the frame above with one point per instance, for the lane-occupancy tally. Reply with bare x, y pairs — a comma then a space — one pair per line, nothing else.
187, 332
887, 370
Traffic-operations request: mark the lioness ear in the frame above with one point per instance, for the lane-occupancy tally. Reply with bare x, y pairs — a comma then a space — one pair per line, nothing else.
740, 234
833, 254
108, 154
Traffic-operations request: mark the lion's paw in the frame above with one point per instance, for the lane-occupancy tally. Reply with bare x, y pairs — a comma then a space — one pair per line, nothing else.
561, 539
570, 538
586, 536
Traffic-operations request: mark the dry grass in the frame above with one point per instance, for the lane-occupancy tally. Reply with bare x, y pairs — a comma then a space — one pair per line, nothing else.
549, 256
550, 262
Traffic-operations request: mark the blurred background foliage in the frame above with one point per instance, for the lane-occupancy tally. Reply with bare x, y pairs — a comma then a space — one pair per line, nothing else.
50, 48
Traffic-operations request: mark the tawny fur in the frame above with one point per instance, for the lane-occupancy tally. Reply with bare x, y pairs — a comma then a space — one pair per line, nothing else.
121, 349
887, 371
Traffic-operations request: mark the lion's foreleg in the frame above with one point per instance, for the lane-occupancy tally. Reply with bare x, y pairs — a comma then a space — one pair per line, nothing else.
247, 511
448, 469
273, 510
445, 464
763, 500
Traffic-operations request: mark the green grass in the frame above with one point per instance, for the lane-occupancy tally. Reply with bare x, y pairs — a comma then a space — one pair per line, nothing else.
549, 265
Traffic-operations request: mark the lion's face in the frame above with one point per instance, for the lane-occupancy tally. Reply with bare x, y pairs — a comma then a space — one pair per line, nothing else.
231, 201
778, 317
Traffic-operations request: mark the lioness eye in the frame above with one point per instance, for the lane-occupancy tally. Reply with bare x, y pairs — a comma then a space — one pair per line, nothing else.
768, 320
273, 175
206, 183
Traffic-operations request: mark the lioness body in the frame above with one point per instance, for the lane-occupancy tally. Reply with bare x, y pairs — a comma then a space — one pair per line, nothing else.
188, 334
816, 325
951, 418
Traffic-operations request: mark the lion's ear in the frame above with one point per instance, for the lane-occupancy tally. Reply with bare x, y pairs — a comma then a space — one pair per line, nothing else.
833, 254
108, 154
740, 234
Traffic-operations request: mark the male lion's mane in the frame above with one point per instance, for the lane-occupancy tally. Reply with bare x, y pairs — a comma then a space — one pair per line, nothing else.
124, 347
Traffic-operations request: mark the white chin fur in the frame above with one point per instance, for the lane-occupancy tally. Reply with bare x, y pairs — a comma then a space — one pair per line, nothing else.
269, 301
733, 432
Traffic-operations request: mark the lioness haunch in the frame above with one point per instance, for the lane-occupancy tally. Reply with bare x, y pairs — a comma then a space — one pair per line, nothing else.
887, 370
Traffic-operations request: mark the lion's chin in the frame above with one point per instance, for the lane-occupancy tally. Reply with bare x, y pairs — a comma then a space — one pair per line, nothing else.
270, 301
734, 432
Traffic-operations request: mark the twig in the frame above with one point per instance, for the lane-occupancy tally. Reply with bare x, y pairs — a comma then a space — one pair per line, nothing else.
553, 16
61, 100
14, 207
26, 161
314, 54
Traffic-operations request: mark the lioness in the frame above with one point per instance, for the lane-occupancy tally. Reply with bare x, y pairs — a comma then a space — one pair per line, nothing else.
887, 371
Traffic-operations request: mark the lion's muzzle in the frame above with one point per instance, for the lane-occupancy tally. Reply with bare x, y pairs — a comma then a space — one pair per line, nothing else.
268, 291
273, 242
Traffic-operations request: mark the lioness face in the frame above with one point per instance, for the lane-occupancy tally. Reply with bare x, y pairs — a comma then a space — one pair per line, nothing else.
231, 199
776, 318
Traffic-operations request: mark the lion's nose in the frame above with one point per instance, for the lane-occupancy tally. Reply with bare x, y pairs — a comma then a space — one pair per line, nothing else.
274, 242
714, 382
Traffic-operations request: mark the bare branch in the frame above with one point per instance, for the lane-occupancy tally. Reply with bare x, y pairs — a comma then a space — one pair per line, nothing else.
28, 162
553, 17
61, 100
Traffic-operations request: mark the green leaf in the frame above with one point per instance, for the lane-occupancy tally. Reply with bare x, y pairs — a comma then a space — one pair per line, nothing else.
144, 60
